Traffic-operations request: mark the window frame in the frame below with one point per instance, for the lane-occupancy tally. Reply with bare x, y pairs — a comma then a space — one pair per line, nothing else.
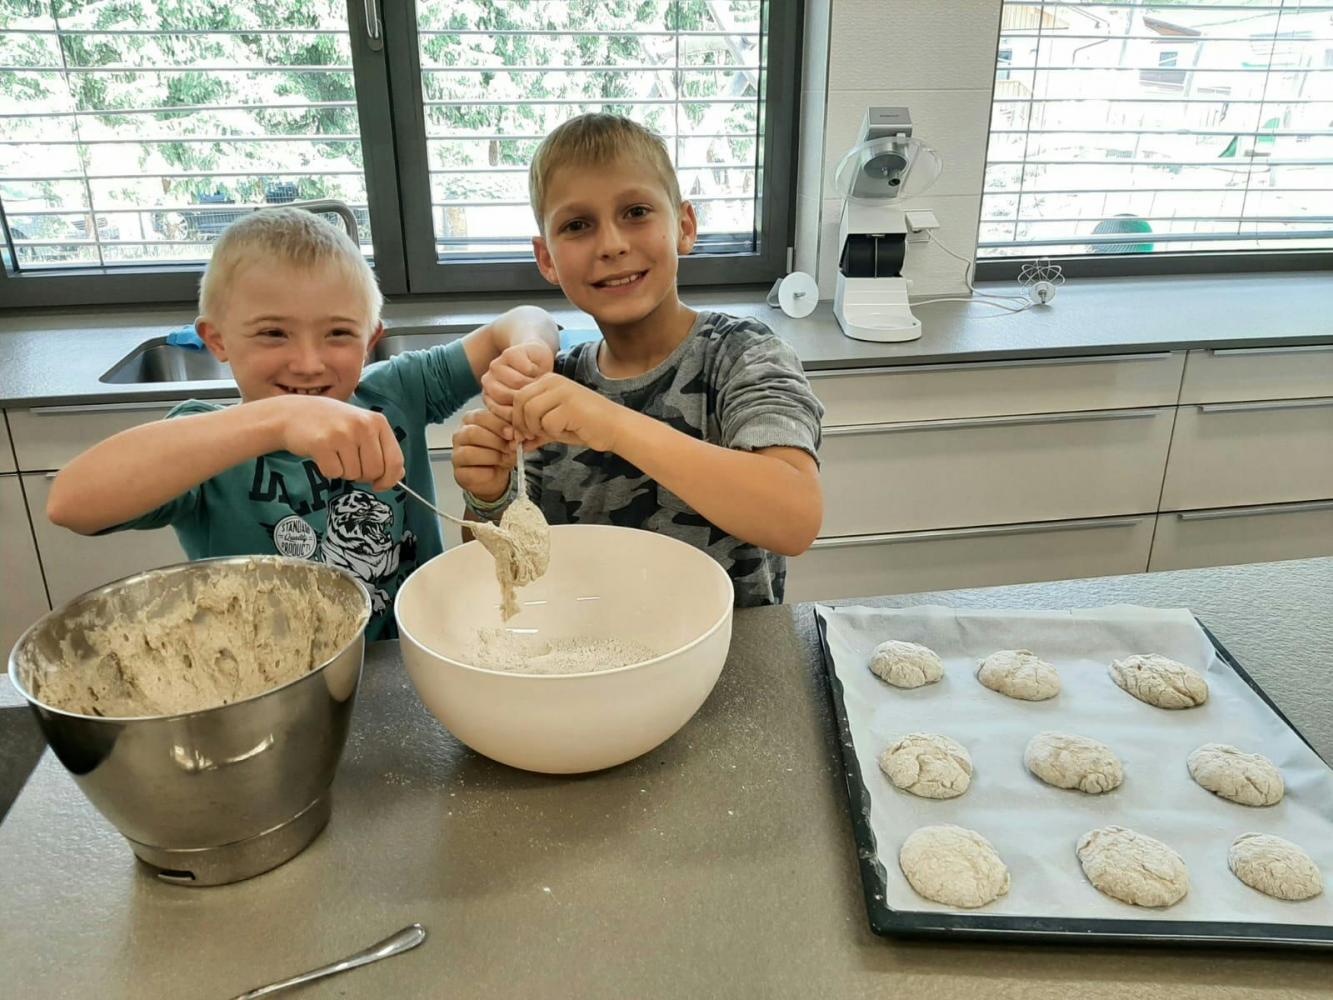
398, 186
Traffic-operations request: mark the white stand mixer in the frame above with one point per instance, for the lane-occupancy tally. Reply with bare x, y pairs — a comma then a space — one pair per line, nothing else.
871, 299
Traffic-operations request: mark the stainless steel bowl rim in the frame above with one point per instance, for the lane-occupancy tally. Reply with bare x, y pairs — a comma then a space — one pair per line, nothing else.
166, 571
518, 675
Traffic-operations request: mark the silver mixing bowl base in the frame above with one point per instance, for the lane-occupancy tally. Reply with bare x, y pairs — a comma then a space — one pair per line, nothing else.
204, 866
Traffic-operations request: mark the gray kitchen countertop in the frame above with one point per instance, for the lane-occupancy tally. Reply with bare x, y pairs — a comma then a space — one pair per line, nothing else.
721, 864
54, 358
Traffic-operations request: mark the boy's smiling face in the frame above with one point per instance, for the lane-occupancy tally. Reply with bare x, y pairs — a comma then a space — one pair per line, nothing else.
293, 331
611, 240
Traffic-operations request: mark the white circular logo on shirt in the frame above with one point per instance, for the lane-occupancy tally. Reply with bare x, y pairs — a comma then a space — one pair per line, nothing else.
293, 537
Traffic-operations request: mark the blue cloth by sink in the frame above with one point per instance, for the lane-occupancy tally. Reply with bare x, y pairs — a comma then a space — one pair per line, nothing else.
571, 338
185, 336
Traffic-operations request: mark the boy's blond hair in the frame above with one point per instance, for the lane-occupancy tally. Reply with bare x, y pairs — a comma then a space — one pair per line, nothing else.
290, 236
595, 140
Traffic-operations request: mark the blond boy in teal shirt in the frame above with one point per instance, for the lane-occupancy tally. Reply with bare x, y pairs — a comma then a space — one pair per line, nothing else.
306, 465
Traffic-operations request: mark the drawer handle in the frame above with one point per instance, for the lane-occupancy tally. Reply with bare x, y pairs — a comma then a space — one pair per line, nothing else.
1005, 363
140, 407
987, 532
1272, 404
1034, 418
1236, 352
1277, 508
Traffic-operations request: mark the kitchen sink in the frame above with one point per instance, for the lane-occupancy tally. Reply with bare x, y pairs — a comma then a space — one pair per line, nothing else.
400, 339
157, 361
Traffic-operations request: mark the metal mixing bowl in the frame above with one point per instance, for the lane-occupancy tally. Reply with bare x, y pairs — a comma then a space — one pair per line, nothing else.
212, 796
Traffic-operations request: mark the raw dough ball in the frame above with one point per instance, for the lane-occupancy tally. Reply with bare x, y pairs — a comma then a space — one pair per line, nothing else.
1275, 866
905, 664
954, 866
1247, 778
1073, 762
1132, 867
1019, 673
934, 767
1160, 681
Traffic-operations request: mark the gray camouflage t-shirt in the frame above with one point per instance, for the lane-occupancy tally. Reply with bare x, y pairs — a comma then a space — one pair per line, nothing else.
732, 382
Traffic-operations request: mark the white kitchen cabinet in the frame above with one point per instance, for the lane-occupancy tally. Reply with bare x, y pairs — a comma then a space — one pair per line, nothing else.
1244, 454
440, 437
997, 388
1223, 375
448, 497
24, 592
993, 470
908, 562
46, 438
1225, 537
76, 563
6, 449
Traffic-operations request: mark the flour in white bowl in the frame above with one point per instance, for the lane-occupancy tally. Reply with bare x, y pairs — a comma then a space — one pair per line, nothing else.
520, 653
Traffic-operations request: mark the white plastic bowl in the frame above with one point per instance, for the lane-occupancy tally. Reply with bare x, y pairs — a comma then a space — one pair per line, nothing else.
604, 583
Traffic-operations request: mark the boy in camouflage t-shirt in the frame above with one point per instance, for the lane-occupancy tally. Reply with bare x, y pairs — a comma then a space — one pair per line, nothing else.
697, 425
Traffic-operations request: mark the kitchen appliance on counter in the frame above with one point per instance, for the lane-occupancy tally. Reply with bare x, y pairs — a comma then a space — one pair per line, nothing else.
884, 169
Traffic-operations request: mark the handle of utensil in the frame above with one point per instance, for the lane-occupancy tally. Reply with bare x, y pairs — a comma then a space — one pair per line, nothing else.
405, 940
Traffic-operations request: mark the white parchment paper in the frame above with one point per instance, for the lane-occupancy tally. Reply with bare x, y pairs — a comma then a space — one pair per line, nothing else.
1035, 827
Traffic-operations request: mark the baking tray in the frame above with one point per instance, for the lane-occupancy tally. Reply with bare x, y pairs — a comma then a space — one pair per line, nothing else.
889, 922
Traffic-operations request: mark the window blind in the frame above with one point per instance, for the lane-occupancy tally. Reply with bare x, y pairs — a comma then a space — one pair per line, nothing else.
1151, 127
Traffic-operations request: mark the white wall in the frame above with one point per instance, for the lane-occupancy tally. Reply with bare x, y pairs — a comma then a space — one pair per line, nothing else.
935, 58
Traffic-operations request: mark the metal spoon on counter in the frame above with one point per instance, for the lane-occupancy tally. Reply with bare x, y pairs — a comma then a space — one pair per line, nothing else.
405, 940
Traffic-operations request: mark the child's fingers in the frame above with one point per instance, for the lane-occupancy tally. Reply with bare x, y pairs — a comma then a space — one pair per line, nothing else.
394, 466
501, 411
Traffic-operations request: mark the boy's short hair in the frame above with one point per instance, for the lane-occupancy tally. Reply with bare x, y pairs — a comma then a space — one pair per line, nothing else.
594, 140
289, 236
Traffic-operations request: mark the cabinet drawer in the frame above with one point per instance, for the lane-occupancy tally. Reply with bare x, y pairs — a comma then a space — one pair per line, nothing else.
441, 436
74, 563
1244, 454
911, 562
1243, 535
48, 437
995, 388
6, 450
448, 497
995, 470
25, 594
1231, 374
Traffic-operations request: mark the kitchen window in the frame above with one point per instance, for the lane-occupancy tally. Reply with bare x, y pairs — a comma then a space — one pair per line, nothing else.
1140, 137
132, 134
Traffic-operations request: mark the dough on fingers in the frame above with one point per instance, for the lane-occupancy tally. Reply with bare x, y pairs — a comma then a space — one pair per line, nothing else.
906, 664
1250, 779
954, 866
1019, 673
928, 765
1160, 681
1275, 867
1132, 867
1067, 761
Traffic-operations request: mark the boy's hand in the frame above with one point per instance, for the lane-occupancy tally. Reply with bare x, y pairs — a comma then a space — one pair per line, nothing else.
515, 368
483, 454
554, 408
345, 441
